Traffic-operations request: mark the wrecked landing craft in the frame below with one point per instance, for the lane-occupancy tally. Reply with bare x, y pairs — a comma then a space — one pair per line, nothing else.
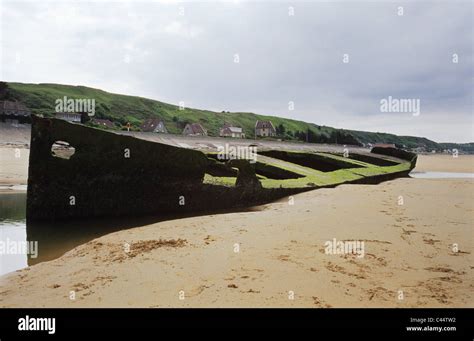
108, 174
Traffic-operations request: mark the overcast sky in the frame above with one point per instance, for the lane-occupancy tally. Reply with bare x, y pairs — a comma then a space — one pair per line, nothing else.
151, 49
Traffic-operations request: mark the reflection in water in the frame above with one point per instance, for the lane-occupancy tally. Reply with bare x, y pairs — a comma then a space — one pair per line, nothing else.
12, 228
12, 206
55, 239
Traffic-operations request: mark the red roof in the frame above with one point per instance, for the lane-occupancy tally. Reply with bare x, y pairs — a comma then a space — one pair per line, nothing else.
102, 122
264, 124
150, 124
196, 129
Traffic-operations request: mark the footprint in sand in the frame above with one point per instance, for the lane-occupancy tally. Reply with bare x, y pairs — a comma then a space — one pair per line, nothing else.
320, 303
380, 293
380, 260
104, 279
408, 232
339, 269
196, 291
439, 269
54, 286
431, 241
459, 253
209, 239
80, 286
251, 291
450, 279
375, 241
284, 258
244, 273
383, 211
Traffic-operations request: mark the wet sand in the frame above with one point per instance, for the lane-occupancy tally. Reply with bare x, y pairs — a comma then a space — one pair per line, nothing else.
13, 167
445, 163
276, 257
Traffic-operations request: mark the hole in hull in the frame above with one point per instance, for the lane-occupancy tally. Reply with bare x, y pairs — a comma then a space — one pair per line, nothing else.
62, 150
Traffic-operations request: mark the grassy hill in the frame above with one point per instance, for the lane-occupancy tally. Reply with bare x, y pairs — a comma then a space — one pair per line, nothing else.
120, 109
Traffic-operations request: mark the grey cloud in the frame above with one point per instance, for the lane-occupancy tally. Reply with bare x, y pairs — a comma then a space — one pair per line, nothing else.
148, 49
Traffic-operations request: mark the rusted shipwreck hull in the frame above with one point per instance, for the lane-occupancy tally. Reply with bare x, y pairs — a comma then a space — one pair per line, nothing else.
116, 175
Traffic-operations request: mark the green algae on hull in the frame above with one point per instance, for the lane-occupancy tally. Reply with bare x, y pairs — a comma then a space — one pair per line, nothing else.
360, 173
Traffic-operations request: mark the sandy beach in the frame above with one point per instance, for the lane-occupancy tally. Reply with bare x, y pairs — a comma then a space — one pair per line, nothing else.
445, 163
14, 166
275, 256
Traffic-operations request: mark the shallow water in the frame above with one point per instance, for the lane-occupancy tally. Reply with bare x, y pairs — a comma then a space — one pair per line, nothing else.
441, 175
13, 187
12, 227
